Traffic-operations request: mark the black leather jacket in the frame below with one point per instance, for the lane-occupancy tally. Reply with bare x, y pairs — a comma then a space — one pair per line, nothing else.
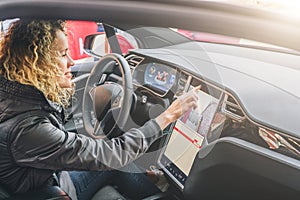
34, 143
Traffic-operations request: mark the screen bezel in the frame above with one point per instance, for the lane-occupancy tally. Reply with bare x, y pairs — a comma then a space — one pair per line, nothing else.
167, 168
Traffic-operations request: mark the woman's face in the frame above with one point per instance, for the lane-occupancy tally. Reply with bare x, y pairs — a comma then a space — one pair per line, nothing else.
64, 60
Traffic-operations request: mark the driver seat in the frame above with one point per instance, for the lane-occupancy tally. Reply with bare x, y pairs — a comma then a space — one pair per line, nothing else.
110, 193
47, 193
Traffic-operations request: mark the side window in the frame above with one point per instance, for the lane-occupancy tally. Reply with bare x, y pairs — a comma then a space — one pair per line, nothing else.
78, 30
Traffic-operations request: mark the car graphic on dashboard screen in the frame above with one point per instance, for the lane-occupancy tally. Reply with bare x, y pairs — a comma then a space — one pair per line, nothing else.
160, 76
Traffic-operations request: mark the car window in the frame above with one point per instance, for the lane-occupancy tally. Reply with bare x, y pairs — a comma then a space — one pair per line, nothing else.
290, 7
223, 39
78, 30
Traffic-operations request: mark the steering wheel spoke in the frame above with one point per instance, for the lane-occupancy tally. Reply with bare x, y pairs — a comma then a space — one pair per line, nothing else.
98, 130
107, 97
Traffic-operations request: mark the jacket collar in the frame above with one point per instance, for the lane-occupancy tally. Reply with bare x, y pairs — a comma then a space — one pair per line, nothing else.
27, 93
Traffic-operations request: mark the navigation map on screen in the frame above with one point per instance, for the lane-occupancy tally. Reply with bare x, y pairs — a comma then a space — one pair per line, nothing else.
187, 137
189, 132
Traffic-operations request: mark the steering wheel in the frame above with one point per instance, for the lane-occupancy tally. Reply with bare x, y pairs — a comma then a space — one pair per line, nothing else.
102, 98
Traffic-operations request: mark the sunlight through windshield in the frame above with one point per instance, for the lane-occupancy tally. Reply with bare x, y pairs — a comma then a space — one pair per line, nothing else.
289, 7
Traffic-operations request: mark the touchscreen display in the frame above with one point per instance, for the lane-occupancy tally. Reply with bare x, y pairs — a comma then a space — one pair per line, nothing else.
187, 138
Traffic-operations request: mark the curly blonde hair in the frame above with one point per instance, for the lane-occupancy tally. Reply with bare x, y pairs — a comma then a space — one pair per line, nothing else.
28, 55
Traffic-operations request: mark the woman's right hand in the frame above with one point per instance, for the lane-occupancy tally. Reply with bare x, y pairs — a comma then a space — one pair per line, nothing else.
180, 106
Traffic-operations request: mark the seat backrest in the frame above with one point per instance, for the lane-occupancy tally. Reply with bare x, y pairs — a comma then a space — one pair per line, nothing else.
46, 193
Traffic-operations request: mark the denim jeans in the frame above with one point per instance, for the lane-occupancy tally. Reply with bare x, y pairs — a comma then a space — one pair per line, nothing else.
129, 182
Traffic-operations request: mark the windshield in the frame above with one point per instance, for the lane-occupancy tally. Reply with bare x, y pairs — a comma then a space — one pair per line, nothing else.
288, 7
222, 39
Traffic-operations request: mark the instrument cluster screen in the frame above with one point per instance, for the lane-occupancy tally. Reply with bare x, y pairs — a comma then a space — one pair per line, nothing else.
159, 76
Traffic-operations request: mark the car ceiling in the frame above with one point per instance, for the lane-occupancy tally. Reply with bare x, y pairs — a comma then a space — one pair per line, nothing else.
203, 16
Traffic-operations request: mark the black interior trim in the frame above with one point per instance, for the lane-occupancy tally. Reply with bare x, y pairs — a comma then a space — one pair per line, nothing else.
47, 193
232, 168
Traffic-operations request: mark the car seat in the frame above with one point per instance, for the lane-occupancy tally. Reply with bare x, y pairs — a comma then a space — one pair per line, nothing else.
47, 193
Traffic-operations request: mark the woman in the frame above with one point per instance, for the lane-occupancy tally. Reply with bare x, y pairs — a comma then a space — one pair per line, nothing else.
35, 87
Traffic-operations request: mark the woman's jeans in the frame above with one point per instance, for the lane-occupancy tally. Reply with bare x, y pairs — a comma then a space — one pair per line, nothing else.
130, 182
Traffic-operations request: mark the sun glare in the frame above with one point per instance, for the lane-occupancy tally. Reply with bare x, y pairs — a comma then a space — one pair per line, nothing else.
289, 7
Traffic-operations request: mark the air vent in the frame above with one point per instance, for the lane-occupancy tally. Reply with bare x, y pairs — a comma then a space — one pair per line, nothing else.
134, 60
232, 109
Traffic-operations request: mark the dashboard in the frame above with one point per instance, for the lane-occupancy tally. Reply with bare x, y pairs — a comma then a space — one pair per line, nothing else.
243, 110
194, 129
227, 107
246, 75
190, 132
